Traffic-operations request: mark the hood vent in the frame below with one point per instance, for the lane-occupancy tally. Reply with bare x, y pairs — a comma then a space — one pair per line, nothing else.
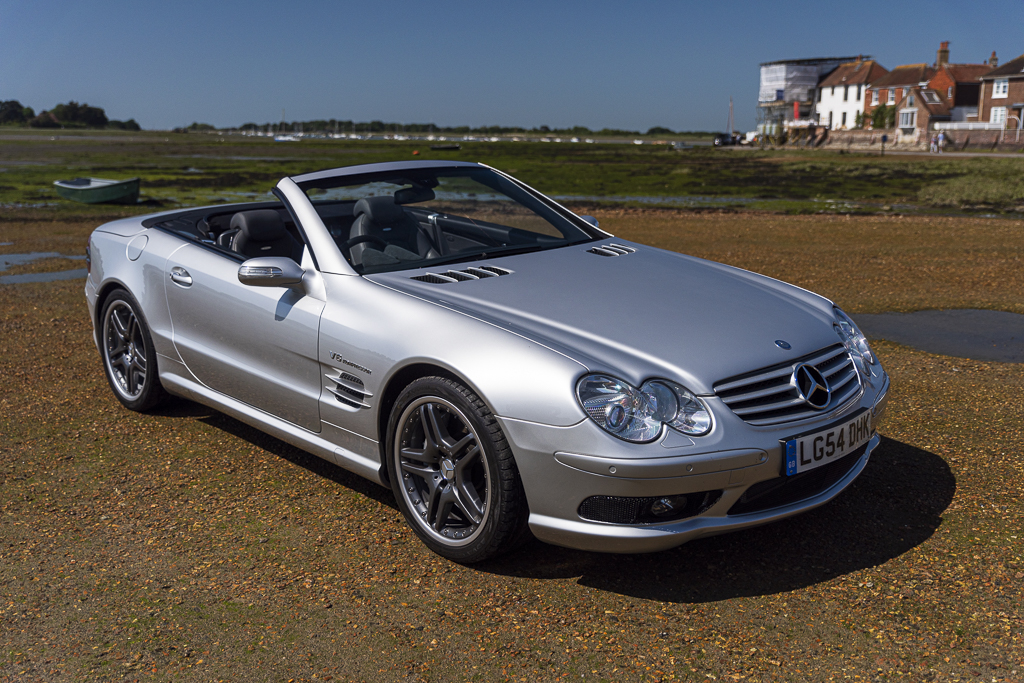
612, 250
473, 273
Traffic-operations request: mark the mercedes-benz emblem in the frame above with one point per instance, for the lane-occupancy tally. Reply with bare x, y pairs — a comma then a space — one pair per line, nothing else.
447, 469
812, 386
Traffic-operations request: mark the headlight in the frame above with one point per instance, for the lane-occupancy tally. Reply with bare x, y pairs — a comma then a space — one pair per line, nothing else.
638, 414
855, 341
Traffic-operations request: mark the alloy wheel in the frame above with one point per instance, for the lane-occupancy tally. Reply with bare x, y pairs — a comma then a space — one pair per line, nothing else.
125, 350
444, 481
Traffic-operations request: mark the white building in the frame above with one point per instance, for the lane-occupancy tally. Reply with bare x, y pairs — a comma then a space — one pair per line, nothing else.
787, 88
841, 94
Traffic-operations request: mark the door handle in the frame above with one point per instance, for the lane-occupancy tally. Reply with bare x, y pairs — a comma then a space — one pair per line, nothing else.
180, 276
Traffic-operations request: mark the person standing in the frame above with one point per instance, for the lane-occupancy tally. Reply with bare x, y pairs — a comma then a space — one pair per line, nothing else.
934, 147
942, 140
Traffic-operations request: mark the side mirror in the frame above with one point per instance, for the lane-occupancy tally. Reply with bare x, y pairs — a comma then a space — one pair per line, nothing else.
591, 220
270, 271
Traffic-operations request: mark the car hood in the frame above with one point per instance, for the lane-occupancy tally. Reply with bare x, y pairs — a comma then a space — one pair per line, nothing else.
638, 315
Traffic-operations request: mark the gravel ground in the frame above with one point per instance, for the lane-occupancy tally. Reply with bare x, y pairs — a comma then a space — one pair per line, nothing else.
184, 545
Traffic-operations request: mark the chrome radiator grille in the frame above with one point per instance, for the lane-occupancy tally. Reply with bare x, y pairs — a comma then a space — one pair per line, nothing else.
769, 396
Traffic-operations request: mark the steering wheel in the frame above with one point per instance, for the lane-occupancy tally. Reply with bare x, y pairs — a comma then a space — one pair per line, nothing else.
359, 239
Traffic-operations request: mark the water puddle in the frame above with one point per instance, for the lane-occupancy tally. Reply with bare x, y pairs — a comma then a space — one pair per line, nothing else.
965, 333
26, 205
683, 200
229, 157
8, 260
43, 277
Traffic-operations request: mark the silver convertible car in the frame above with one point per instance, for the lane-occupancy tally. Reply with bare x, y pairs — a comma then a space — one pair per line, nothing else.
499, 362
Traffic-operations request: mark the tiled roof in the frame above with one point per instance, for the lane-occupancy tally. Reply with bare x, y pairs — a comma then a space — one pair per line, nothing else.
933, 108
966, 73
854, 73
907, 75
1014, 67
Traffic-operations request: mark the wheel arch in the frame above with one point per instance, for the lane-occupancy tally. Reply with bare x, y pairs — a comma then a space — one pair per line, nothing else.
398, 381
104, 292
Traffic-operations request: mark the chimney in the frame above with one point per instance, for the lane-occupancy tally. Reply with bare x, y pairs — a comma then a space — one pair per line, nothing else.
942, 57
993, 61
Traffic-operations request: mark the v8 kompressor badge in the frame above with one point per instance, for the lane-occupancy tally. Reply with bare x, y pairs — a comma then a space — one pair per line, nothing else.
338, 357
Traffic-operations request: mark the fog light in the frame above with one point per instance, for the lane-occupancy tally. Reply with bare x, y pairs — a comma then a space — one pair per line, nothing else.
667, 506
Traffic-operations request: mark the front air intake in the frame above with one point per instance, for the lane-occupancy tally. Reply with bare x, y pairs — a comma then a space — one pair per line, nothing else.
629, 510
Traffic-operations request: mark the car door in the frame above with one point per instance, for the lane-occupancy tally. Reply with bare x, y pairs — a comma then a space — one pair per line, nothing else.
255, 344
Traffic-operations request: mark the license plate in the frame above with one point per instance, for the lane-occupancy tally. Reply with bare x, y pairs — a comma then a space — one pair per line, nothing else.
805, 452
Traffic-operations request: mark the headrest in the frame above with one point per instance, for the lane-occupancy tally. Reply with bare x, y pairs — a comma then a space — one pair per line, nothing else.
380, 210
261, 225
411, 195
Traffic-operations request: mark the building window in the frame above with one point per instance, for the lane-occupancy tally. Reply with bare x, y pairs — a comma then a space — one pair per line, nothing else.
819, 95
949, 92
910, 101
844, 120
830, 119
833, 91
846, 93
874, 97
891, 96
858, 93
908, 119
997, 115
1001, 87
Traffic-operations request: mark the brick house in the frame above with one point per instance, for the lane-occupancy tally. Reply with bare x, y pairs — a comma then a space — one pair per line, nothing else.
959, 84
842, 92
1002, 95
916, 113
893, 87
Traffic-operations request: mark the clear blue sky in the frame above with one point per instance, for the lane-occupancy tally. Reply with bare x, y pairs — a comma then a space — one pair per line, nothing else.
599, 64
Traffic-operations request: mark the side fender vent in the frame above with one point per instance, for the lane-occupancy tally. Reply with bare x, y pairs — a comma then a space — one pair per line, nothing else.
612, 250
349, 390
472, 273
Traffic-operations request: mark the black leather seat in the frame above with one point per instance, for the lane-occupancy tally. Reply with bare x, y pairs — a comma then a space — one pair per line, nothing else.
262, 233
382, 218
226, 237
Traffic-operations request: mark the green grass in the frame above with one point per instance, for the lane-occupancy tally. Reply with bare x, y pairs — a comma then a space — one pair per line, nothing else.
196, 169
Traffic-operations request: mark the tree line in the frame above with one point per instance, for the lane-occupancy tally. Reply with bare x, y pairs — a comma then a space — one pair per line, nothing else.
69, 115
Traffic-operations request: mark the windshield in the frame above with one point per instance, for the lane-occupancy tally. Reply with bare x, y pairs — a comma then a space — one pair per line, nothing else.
421, 217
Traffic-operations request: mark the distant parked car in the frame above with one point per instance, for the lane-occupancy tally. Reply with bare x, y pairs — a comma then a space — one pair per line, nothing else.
723, 139
499, 362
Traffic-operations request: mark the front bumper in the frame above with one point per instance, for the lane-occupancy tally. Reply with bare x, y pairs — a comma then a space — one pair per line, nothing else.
563, 466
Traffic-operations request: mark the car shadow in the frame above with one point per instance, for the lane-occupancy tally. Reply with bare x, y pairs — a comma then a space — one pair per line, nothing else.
182, 408
894, 506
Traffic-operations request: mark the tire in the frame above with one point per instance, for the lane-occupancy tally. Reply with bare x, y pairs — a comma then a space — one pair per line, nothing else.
129, 359
453, 473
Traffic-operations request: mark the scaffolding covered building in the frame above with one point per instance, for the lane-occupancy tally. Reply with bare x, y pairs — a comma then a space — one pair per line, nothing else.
787, 91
